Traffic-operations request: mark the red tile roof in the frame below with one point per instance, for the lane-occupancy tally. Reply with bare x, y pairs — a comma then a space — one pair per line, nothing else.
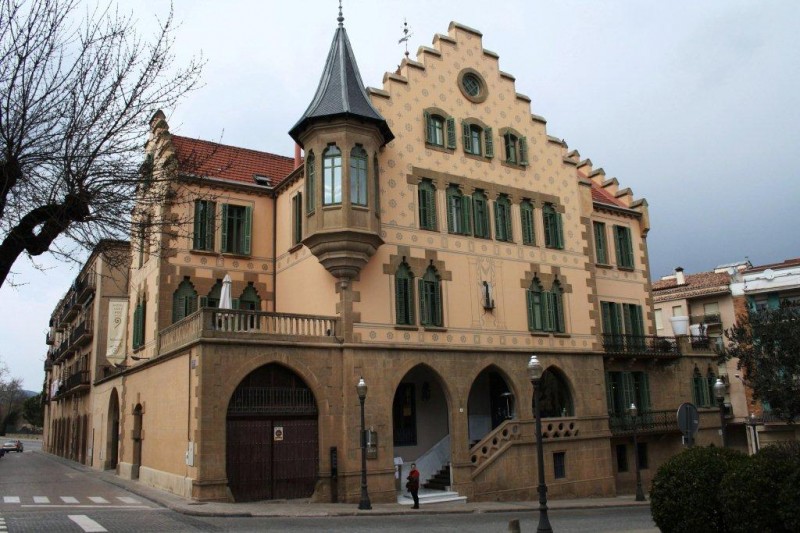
602, 196
214, 160
696, 285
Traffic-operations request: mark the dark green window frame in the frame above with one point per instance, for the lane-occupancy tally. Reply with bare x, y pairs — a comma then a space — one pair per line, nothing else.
526, 219
559, 465
434, 129
600, 244
404, 296
553, 309
358, 176
623, 326
533, 297
376, 168
297, 218
703, 388
311, 183
249, 299
204, 225
184, 300
426, 194
480, 210
516, 149
459, 211
430, 298
502, 219
625, 388
237, 223
553, 229
139, 314
623, 246
332, 175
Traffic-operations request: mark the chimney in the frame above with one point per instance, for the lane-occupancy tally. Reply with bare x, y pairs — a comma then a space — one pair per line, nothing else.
680, 279
297, 157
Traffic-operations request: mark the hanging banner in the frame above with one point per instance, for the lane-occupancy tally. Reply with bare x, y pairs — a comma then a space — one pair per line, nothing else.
117, 325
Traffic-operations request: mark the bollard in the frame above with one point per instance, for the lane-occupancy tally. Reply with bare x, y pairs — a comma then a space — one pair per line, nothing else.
513, 526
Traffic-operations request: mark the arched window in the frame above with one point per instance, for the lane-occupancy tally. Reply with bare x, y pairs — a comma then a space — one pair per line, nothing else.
404, 295
249, 300
212, 300
555, 398
184, 300
516, 149
430, 298
332, 175
554, 308
358, 176
311, 182
435, 133
473, 139
459, 211
534, 301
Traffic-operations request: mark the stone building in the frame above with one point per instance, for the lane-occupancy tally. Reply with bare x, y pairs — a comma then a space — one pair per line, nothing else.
431, 239
711, 302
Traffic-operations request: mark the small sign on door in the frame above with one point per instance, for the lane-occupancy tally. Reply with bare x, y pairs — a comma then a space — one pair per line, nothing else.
277, 433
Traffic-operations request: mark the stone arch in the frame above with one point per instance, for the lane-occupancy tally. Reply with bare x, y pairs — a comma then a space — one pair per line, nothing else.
490, 402
557, 394
112, 431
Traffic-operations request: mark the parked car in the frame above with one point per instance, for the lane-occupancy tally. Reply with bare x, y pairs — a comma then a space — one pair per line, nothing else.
12, 446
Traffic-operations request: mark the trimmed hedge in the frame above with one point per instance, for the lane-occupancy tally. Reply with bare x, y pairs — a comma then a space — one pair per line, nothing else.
764, 493
685, 495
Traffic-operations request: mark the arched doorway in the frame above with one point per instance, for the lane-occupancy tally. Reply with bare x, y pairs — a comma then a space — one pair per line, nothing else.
272, 449
421, 425
112, 428
490, 403
137, 441
556, 398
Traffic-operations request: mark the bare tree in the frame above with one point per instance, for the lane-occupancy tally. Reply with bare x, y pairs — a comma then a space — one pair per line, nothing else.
11, 394
75, 98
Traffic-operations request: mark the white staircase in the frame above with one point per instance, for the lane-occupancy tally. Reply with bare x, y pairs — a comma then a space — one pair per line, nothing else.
428, 496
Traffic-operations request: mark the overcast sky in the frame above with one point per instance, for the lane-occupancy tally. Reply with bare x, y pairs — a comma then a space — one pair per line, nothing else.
693, 105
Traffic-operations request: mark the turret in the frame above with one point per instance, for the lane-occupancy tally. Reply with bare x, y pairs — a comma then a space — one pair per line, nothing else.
341, 133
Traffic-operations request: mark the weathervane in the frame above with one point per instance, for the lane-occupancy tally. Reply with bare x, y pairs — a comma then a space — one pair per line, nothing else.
340, 18
406, 36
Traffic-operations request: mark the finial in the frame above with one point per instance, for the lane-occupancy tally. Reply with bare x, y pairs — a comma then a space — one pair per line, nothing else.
406, 36
340, 18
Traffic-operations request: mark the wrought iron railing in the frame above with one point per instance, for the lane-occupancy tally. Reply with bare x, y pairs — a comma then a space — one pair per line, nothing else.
646, 422
272, 400
701, 343
77, 379
641, 346
84, 286
712, 318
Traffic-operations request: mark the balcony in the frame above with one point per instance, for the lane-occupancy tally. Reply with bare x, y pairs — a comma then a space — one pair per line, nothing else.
641, 347
48, 339
71, 308
209, 323
82, 333
707, 319
84, 287
647, 423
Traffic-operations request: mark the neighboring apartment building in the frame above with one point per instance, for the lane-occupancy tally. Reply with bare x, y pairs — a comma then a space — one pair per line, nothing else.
431, 240
713, 301
83, 343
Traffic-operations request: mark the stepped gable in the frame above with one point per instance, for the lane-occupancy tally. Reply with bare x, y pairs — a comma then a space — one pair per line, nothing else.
696, 285
213, 160
341, 93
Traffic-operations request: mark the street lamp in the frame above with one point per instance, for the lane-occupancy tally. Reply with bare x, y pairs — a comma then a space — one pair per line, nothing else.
634, 412
535, 370
364, 503
719, 394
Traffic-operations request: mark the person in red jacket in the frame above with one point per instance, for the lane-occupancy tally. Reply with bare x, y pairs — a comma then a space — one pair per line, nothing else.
413, 484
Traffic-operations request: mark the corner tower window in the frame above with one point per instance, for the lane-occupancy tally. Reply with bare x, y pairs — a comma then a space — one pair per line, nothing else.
311, 183
332, 175
358, 176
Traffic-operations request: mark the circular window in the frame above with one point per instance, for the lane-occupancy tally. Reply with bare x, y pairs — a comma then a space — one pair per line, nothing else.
472, 86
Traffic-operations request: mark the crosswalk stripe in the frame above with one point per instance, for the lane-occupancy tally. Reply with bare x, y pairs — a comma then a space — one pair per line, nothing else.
86, 523
10, 499
69, 499
127, 499
41, 499
98, 499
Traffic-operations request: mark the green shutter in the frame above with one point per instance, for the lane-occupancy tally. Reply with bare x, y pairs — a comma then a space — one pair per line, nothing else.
204, 301
211, 224
531, 311
523, 151
224, 232
428, 127
451, 133
559, 231
549, 316
423, 308
198, 225
234, 303
509, 231
526, 219
645, 392
400, 291
248, 225
610, 394
499, 227
487, 135
450, 193
178, 308
466, 214
437, 303
628, 390
465, 137
605, 311
376, 164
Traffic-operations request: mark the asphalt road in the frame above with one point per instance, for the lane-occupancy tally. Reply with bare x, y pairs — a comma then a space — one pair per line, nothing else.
41, 494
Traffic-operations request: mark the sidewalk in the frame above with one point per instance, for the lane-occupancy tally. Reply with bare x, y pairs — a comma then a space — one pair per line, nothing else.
302, 508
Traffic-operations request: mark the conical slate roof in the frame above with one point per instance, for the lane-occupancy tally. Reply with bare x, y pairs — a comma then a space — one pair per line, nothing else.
341, 92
